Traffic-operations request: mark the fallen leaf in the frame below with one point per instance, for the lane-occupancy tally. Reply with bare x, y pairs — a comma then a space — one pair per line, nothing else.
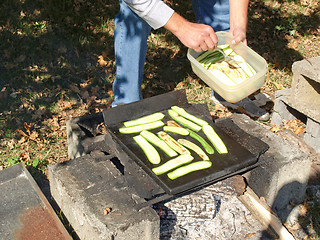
107, 211
110, 92
248, 235
24, 157
22, 133
22, 140
275, 128
101, 61
278, 85
34, 136
299, 130
27, 127
303, 210
180, 85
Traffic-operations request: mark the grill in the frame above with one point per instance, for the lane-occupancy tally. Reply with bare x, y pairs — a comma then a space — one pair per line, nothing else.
137, 169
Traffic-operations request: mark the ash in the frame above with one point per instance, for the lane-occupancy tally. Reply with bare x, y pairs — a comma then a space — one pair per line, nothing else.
213, 212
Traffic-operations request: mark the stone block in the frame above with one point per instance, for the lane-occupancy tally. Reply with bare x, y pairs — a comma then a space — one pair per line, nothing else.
80, 128
305, 88
281, 110
88, 186
312, 134
283, 176
25, 212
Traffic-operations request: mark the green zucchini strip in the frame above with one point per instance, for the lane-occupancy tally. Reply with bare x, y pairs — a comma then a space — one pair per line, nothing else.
139, 128
183, 121
194, 147
189, 116
202, 141
154, 139
151, 153
224, 46
223, 77
173, 163
192, 167
173, 143
172, 123
177, 130
244, 65
214, 139
144, 120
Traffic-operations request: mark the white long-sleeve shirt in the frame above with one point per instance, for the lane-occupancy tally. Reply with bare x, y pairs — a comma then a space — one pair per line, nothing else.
155, 12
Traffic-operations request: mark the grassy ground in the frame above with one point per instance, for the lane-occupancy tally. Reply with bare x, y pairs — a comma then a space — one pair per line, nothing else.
57, 62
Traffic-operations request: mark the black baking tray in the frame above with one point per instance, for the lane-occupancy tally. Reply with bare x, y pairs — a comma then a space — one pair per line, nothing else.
237, 158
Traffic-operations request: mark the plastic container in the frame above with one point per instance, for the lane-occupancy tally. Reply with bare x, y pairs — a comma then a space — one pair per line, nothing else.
245, 88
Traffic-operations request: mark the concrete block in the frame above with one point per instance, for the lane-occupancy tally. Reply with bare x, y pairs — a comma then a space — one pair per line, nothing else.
25, 212
281, 110
283, 176
305, 88
312, 135
80, 128
86, 186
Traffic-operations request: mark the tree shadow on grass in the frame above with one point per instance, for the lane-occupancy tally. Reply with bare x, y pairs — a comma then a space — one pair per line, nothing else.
49, 51
270, 30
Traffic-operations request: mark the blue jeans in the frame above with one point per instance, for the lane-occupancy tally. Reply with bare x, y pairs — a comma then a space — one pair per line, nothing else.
131, 34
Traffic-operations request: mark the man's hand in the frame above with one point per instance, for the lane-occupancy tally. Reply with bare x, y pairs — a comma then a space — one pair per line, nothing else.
239, 35
238, 20
199, 37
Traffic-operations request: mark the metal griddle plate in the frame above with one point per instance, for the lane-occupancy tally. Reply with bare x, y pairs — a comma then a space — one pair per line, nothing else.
238, 158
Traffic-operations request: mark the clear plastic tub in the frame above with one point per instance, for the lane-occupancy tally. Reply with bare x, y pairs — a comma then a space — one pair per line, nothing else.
245, 88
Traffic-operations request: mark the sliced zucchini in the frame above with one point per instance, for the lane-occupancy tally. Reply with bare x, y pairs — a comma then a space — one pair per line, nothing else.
177, 130
214, 139
144, 120
223, 46
202, 141
244, 65
173, 163
223, 77
172, 123
228, 51
151, 153
185, 122
189, 116
194, 147
154, 139
173, 143
192, 167
139, 128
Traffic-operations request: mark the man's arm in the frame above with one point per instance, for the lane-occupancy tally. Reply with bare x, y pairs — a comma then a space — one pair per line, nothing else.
157, 14
238, 20
200, 37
